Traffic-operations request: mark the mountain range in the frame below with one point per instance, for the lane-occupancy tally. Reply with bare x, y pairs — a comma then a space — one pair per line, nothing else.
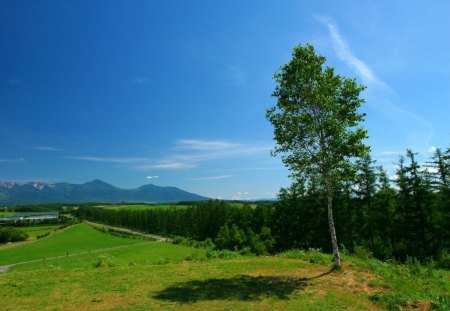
14, 193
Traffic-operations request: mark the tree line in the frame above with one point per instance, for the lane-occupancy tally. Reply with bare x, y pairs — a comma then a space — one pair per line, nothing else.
406, 217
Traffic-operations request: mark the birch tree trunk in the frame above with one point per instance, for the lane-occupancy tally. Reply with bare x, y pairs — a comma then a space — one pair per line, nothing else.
336, 256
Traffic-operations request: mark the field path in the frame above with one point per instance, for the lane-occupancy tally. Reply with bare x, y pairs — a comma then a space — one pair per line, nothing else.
22, 243
153, 236
6, 267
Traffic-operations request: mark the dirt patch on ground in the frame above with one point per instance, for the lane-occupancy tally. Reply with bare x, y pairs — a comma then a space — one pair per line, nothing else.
419, 306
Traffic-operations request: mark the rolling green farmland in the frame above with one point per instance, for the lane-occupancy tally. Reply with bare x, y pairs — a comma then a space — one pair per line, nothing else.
143, 275
73, 239
6, 214
140, 254
35, 231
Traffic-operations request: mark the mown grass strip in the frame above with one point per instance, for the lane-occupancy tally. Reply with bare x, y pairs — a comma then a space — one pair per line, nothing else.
74, 239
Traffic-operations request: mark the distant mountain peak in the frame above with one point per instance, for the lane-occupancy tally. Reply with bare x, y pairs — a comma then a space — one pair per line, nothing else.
92, 191
97, 181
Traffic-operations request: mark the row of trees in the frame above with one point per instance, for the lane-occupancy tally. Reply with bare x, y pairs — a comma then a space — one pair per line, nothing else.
409, 217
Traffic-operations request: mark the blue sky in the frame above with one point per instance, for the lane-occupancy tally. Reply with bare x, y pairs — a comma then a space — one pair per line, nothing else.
174, 93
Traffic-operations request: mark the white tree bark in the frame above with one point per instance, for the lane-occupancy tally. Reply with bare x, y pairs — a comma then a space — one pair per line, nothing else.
336, 256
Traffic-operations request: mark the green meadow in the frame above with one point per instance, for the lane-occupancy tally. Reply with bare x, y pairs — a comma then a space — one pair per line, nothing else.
74, 239
35, 231
106, 272
6, 214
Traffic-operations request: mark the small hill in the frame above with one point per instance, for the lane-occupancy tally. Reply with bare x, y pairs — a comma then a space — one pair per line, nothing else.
13, 193
85, 269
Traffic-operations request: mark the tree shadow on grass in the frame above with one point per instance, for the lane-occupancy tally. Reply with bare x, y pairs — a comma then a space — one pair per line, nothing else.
243, 287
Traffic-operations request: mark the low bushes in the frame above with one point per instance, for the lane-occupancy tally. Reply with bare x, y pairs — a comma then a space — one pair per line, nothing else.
9, 234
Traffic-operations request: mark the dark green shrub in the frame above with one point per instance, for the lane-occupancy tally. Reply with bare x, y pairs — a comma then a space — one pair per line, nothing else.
104, 261
361, 252
9, 234
443, 260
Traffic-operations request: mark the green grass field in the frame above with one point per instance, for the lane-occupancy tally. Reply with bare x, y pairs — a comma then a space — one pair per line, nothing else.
34, 231
6, 214
73, 239
163, 276
140, 254
141, 207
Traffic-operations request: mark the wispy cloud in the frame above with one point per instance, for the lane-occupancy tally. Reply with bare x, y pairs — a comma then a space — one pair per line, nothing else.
237, 75
208, 145
14, 81
139, 80
417, 131
212, 177
261, 168
213, 149
12, 160
186, 154
241, 193
165, 165
47, 148
191, 152
345, 53
124, 160
152, 177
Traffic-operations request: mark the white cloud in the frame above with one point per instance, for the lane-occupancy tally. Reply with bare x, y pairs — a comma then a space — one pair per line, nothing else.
191, 152
432, 149
345, 54
123, 160
139, 80
417, 131
212, 177
165, 165
237, 75
206, 145
14, 81
12, 160
432, 170
152, 177
47, 148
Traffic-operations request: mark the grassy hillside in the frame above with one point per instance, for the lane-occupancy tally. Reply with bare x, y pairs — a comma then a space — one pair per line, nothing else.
77, 238
140, 254
270, 283
6, 214
35, 231
162, 276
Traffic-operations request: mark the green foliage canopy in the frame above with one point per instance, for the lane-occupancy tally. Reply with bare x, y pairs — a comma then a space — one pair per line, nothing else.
316, 123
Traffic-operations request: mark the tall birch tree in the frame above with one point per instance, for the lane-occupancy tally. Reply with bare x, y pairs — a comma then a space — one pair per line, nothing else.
317, 125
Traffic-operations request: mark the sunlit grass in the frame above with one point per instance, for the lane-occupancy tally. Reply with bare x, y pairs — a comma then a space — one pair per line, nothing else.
154, 275
35, 231
77, 238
